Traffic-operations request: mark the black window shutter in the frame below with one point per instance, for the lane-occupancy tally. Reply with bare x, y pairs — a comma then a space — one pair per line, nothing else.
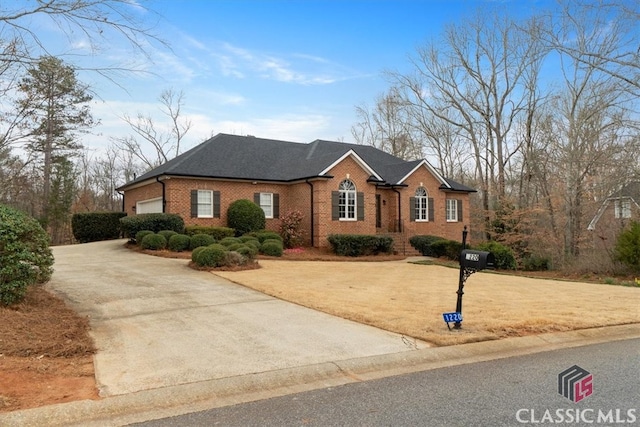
431, 209
335, 209
194, 203
216, 204
412, 208
276, 205
459, 203
360, 205
256, 198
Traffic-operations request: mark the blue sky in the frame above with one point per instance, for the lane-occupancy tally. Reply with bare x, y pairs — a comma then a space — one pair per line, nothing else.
292, 70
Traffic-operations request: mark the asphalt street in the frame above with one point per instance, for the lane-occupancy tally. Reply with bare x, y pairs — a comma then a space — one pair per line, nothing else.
507, 392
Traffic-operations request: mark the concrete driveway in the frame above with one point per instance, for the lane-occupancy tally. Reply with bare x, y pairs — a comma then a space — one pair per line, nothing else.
158, 323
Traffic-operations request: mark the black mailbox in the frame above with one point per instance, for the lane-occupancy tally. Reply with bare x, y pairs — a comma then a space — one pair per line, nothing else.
476, 260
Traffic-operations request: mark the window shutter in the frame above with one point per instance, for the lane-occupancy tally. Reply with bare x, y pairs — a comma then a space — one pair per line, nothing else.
412, 208
216, 204
256, 198
360, 205
335, 210
276, 205
431, 209
459, 203
194, 203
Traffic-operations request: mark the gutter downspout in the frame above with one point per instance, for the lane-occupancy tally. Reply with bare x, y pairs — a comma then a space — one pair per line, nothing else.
312, 235
164, 201
122, 194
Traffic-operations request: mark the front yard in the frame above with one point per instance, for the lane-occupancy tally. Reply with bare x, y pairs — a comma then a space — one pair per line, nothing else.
410, 299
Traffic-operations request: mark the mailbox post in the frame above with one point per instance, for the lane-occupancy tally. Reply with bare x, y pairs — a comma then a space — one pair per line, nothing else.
470, 262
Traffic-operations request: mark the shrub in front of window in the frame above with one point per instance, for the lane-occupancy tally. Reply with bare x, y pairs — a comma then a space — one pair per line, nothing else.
198, 240
141, 234
179, 242
423, 244
211, 256
504, 258
360, 244
217, 233
627, 249
272, 248
154, 242
291, 229
96, 226
152, 221
25, 256
245, 216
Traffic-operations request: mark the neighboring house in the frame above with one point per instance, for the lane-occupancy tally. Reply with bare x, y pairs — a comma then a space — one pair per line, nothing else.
615, 213
338, 187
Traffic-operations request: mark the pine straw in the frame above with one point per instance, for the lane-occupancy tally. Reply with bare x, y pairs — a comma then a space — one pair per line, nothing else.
42, 325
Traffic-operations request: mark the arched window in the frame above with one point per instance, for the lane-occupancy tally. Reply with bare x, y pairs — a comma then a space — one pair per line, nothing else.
422, 204
347, 200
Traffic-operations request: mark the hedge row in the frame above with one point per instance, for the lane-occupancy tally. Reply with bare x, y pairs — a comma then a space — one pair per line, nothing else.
153, 221
435, 246
360, 244
96, 226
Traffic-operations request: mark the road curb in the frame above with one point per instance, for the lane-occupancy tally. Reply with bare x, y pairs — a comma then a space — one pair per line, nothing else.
185, 398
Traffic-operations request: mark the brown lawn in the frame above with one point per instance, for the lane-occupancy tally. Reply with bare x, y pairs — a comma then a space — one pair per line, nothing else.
410, 298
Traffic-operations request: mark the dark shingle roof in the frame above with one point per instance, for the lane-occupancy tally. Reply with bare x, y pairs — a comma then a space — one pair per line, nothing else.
249, 158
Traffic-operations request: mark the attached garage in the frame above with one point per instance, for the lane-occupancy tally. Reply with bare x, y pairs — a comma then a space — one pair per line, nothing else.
149, 206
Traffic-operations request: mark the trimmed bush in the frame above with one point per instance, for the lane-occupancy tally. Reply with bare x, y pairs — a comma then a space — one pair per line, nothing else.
276, 241
96, 226
154, 221
247, 251
141, 235
291, 229
360, 244
211, 256
195, 252
447, 248
167, 233
228, 241
627, 249
154, 242
423, 244
179, 242
504, 259
198, 240
217, 233
264, 235
245, 216
233, 258
25, 256
272, 248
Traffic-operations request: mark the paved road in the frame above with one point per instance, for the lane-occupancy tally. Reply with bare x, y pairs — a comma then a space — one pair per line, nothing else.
507, 392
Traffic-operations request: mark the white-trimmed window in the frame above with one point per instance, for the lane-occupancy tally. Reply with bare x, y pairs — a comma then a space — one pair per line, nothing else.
205, 204
266, 203
422, 204
623, 208
452, 210
347, 201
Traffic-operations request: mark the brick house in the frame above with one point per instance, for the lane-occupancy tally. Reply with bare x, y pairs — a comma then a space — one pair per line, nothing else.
615, 213
339, 188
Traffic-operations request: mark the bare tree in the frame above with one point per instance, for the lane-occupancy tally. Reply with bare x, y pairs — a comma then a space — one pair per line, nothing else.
164, 141
387, 127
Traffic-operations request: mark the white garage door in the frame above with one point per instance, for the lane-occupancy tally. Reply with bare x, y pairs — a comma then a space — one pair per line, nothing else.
149, 206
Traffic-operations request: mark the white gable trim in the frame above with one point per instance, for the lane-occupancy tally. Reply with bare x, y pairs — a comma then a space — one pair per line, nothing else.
358, 160
430, 169
603, 208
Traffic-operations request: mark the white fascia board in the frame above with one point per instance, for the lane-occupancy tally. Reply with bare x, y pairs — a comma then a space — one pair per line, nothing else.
430, 169
358, 160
